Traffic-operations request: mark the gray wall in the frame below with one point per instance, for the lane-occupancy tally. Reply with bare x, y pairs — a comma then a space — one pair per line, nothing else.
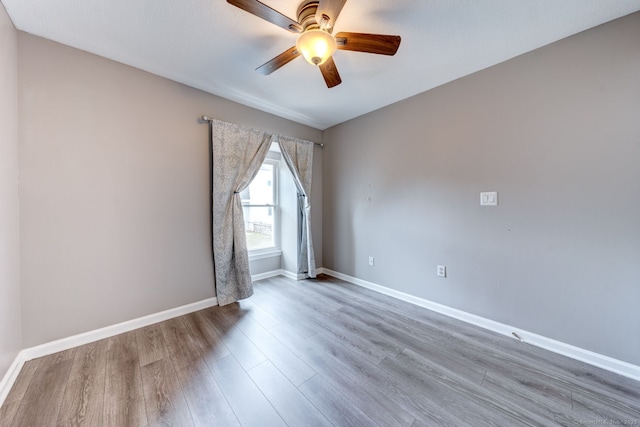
114, 189
10, 323
557, 133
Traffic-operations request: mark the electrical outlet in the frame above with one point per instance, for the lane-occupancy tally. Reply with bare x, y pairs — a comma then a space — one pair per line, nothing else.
371, 261
489, 198
442, 271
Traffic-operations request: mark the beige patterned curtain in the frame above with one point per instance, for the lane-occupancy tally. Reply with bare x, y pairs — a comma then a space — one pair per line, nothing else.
238, 153
298, 155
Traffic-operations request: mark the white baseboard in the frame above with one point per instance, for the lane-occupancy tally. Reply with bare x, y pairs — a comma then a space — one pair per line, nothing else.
92, 336
292, 275
605, 362
266, 275
275, 273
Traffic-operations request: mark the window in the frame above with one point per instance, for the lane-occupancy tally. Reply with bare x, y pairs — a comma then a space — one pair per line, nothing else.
259, 202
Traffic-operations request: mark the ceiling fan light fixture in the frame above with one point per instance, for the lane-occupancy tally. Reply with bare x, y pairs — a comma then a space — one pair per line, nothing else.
317, 46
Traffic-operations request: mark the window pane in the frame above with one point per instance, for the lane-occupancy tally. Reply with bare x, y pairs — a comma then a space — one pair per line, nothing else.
258, 224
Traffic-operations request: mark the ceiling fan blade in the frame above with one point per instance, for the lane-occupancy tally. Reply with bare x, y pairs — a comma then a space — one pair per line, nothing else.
330, 9
370, 43
283, 59
330, 73
263, 11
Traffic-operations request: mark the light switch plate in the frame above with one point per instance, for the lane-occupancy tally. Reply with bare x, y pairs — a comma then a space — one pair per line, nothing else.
489, 198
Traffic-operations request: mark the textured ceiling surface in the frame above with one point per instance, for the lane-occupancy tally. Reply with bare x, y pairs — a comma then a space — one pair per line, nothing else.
214, 46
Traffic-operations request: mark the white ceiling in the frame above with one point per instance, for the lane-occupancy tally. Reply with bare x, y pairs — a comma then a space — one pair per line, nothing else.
214, 46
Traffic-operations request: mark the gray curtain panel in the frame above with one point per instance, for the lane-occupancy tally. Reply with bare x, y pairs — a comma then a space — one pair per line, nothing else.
298, 155
238, 153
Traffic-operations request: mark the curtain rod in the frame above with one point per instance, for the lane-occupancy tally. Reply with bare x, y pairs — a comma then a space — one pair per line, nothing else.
209, 119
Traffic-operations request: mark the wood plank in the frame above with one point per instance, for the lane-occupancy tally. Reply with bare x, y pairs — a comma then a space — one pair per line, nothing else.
294, 408
208, 339
60, 356
350, 381
41, 403
304, 325
164, 400
124, 396
84, 395
258, 314
397, 327
365, 340
8, 412
429, 345
294, 368
204, 397
532, 386
477, 407
240, 346
18, 390
187, 348
353, 343
535, 397
337, 407
300, 289
378, 310
246, 400
362, 298
587, 405
394, 388
151, 346
181, 345
336, 325
514, 364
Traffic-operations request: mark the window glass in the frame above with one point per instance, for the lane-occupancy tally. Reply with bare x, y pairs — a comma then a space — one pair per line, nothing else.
258, 201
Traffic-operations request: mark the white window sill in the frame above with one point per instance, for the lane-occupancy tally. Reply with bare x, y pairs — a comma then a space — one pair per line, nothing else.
264, 253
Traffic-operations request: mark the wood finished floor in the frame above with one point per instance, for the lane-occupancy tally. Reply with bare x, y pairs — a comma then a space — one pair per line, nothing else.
315, 353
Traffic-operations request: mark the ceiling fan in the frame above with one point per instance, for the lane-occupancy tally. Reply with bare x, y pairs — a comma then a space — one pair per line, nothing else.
315, 42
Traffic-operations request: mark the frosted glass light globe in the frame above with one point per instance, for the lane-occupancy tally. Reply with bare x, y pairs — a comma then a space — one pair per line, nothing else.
316, 46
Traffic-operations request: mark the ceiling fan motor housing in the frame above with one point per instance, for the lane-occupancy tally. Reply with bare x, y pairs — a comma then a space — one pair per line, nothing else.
307, 15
